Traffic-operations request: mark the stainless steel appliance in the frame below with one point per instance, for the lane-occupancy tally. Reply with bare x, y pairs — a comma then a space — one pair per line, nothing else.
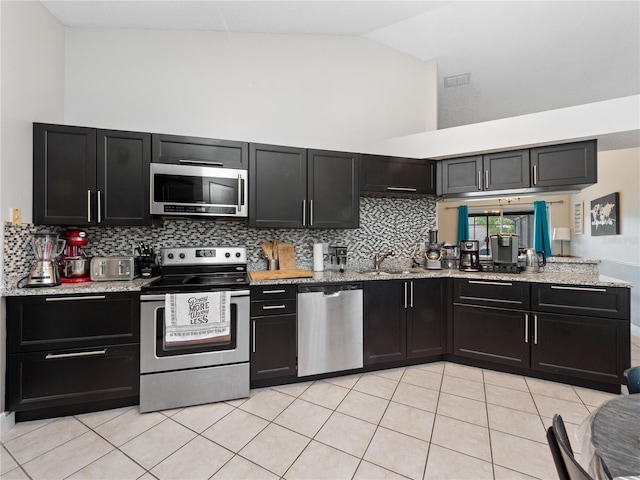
191, 374
434, 252
504, 248
330, 335
192, 190
112, 268
44, 273
534, 260
339, 256
470, 256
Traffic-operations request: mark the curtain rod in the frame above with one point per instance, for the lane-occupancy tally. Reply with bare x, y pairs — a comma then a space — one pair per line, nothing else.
509, 204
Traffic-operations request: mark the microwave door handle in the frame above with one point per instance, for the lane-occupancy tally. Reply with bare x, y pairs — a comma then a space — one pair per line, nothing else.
239, 192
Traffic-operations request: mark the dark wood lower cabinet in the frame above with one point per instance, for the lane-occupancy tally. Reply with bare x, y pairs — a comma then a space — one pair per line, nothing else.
404, 319
273, 352
491, 334
70, 354
274, 355
44, 380
585, 347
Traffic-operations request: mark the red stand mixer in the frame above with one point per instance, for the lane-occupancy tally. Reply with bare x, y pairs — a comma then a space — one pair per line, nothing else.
74, 264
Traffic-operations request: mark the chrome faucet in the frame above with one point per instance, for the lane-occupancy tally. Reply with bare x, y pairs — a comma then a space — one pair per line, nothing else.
378, 258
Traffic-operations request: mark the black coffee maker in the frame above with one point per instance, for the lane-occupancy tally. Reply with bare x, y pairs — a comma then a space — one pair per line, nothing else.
470, 256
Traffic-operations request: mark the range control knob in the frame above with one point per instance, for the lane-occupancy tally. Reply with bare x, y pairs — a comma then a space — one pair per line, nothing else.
170, 255
237, 254
182, 255
228, 254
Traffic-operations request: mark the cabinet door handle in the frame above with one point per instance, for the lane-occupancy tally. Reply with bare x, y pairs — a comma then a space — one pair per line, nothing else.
304, 213
253, 337
484, 282
479, 180
535, 329
402, 189
405, 295
578, 289
273, 307
310, 213
526, 328
51, 356
68, 299
88, 206
486, 179
535, 174
99, 206
239, 192
266, 292
433, 174
201, 162
411, 298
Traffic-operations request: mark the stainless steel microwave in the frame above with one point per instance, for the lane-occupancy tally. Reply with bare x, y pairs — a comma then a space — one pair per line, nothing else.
190, 190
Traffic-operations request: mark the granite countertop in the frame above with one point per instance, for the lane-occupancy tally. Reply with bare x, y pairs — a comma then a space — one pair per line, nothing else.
417, 273
79, 288
328, 276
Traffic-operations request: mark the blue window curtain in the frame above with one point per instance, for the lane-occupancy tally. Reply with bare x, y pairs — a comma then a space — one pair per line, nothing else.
541, 238
463, 223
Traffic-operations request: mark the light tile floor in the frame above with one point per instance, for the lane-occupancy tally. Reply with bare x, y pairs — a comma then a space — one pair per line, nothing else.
433, 421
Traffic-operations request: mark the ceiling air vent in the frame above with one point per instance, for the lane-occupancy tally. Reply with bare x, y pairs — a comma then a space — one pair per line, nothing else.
457, 80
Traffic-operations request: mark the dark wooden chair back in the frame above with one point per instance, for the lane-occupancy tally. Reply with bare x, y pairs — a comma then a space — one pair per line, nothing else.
573, 469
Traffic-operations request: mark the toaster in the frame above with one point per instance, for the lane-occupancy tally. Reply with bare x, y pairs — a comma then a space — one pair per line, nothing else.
105, 269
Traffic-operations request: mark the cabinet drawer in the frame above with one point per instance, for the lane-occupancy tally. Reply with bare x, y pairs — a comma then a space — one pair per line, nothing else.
275, 307
70, 321
66, 377
607, 302
273, 292
199, 151
492, 293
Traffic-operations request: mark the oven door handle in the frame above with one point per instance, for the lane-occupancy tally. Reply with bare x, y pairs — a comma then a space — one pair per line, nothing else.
161, 297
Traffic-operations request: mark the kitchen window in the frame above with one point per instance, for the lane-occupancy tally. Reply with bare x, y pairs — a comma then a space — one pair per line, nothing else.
483, 225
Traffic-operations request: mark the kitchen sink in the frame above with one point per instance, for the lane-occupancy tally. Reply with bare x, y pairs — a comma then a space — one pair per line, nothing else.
383, 273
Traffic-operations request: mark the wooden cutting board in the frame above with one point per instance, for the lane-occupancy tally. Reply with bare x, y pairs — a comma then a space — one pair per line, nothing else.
286, 256
279, 274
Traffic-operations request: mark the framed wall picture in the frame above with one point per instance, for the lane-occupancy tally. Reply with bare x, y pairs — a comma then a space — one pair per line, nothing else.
578, 208
605, 215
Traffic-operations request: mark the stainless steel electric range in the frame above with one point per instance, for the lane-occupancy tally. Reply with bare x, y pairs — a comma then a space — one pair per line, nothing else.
183, 373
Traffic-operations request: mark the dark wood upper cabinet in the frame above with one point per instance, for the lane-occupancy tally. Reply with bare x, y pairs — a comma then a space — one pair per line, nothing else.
394, 175
506, 170
199, 151
84, 176
548, 168
480, 173
277, 186
332, 187
64, 175
123, 178
460, 175
295, 188
568, 164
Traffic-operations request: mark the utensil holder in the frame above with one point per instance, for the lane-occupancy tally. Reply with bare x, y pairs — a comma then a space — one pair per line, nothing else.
272, 264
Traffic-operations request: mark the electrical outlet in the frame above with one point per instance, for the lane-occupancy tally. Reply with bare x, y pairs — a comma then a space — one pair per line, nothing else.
16, 216
325, 248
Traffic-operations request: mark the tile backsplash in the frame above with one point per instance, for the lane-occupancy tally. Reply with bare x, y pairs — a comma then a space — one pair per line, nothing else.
397, 224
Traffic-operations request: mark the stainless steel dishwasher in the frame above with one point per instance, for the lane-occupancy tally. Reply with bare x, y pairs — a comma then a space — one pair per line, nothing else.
329, 328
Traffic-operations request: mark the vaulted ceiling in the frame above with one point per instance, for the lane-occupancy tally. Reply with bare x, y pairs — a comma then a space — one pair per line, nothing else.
522, 56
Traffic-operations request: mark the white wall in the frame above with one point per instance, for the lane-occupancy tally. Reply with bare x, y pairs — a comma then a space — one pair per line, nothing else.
32, 91
31, 76
618, 171
327, 92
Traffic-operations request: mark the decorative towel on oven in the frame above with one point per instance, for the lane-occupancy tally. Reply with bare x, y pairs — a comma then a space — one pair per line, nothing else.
197, 317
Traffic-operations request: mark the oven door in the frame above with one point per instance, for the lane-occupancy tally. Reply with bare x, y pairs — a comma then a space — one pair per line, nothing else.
156, 356
194, 190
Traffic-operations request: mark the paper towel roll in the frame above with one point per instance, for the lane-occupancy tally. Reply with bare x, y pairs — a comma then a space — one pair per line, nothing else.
318, 257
